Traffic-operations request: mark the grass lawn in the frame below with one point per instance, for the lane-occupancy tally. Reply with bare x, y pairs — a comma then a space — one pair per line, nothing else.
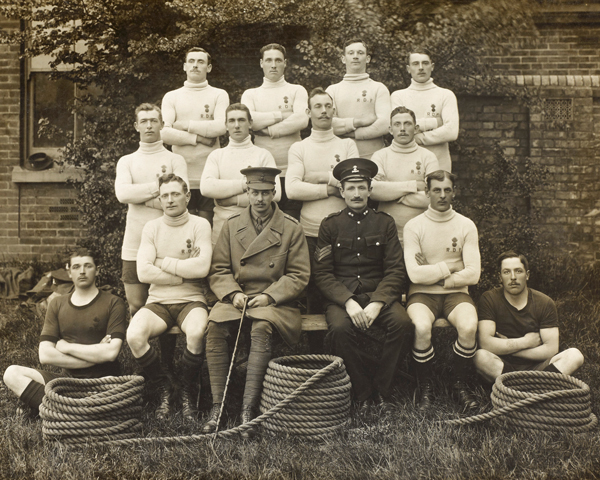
402, 444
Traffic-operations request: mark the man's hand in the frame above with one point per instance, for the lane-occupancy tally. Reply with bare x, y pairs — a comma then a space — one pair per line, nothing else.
372, 311
364, 120
262, 133
227, 202
261, 300
333, 192
357, 314
63, 346
533, 339
209, 142
316, 178
238, 300
106, 339
421, 186
421, 260
181, 125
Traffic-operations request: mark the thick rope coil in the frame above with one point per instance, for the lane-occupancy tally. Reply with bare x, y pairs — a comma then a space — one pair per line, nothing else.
539, 401
84, 411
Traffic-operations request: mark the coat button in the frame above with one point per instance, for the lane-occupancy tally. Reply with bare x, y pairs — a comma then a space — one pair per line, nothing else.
377, 243
271, 264
358, 222
242, 286
358, 254
338, 244
358, 238
242, 263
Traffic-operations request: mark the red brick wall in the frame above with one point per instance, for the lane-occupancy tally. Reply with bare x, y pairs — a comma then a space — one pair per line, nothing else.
36, 220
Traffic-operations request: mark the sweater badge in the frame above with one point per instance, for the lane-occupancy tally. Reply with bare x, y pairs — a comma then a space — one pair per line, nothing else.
286, 100
337, 158
163, 168
364, 95
206, 108
455, 247
433, 108
418, 167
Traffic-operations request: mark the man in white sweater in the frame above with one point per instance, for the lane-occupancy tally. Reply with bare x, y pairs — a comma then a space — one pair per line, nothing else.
278, 112
435, 107
362, 105
174, 258
441, 253
310, 175
399, 186
194, 119
222, 179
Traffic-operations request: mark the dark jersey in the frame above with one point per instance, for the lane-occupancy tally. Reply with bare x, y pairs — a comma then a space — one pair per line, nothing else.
105, 315
540, 312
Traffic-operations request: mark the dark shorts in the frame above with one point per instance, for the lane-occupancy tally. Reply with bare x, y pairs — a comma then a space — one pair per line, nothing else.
95, 371
175, 313
441, 305
511, 366
129, 272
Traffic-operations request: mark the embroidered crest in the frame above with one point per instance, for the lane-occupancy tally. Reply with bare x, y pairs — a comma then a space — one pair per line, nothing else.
285, 100
206, 108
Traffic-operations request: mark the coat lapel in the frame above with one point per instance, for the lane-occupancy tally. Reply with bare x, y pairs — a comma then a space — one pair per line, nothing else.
246, 233
269, 237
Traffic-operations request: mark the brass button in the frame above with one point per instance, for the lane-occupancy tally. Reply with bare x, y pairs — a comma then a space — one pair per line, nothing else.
271, 264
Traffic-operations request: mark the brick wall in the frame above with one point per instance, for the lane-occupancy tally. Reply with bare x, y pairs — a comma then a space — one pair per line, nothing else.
36, 220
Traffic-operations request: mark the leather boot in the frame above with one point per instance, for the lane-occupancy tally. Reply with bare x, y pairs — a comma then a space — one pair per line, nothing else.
210, 425
189, 399
248, 414
465, 397
164, 409
425, 395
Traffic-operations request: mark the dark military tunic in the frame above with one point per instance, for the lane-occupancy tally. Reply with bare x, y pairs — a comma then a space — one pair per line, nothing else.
359, 253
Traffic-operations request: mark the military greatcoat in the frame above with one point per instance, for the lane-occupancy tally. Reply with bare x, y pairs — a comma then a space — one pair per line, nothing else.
274, 262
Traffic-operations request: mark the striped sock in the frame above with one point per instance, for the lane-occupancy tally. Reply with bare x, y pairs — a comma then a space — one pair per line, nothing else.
464, 352
423, 360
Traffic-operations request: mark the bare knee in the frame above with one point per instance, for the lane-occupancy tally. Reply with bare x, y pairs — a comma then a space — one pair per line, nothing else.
137, 337
10, 376
488, 365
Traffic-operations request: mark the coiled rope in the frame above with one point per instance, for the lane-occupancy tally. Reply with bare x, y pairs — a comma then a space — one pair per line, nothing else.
107, 410
536, 400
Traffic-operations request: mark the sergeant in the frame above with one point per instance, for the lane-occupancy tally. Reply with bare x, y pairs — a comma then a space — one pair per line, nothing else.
359, 269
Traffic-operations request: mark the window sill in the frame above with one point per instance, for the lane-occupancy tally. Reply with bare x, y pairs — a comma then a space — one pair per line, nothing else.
52, 175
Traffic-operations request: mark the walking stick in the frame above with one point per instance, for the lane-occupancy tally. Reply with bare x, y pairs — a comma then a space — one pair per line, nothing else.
231, 364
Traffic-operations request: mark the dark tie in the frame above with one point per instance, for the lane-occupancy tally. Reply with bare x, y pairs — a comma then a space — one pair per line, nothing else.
259, 224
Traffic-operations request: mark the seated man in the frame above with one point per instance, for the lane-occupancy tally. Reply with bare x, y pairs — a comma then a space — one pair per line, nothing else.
173, 257
518, 326
441, 252
262, 257
360, 271
82, 333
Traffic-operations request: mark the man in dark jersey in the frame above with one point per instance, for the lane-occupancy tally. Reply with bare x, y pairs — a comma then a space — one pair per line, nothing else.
518, 326
82, 333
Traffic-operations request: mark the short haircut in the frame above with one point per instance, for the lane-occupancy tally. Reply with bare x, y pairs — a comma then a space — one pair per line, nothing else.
272, 46
238, 106
171, 177
198, 49
440, 176
353, 180
400, 110
317, 91
81, 252
350, 41
148, 107
512, 254
421, 50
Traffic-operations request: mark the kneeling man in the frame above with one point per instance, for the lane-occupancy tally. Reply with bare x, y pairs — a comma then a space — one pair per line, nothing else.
518, 326
174, 257
82, 333
360, 271
261, 257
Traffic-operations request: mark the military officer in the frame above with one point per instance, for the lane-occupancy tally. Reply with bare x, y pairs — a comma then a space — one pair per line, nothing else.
261, 256
359, 269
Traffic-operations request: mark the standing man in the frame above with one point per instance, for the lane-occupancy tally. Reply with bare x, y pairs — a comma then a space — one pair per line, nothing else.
362, 105
518, 327
173, 257
222, 179
399, 186
435, 107
441, 252
278, 109
360, 271
82, 334
136, 185
310, 174
194, 119
261, 257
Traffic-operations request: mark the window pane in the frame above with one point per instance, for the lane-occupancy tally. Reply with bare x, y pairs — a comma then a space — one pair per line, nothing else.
52, 100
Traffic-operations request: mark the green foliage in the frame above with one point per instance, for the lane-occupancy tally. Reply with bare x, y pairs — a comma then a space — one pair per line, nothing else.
498, 200
129, 52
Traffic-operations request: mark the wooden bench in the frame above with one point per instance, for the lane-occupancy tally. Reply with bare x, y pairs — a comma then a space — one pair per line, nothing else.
317, 323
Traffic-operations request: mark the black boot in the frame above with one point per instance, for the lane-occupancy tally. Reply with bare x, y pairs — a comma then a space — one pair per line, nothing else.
189, 398
164, 409
248, 414
425, 395
210, 425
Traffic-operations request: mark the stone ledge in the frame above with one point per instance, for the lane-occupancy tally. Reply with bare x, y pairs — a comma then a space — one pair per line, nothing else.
52, 175
556, 80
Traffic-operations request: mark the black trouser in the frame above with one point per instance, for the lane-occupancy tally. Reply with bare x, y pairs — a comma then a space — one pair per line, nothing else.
394, 320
